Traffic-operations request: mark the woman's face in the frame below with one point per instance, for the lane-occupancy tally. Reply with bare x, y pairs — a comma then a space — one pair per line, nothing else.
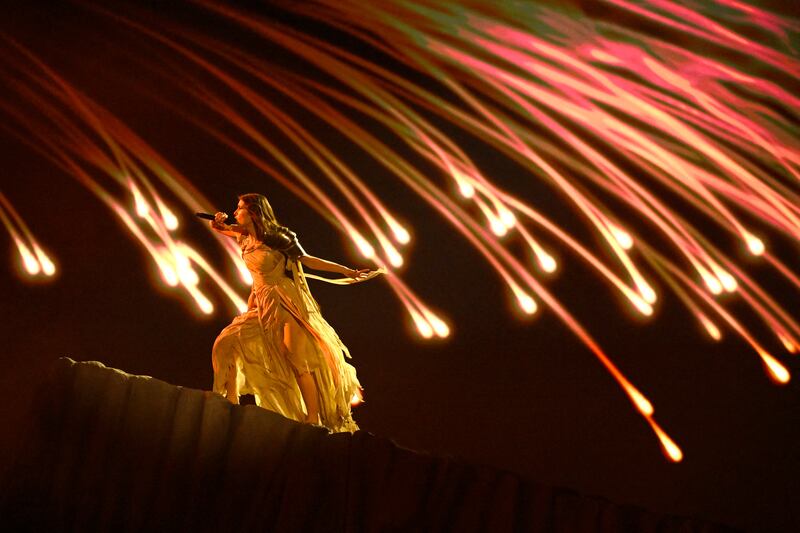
241, 215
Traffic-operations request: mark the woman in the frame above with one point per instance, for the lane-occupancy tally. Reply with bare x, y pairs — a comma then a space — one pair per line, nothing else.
281, 350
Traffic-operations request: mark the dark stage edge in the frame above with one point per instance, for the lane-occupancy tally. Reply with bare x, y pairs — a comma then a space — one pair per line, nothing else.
109, 451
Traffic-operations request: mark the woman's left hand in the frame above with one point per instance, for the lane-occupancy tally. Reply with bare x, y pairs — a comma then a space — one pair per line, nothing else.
359, 275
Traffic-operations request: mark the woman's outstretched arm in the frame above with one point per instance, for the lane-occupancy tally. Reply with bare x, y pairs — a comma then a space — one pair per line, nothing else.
329, 266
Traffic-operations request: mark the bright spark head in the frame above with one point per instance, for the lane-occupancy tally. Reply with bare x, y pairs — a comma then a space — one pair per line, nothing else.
622, 237
712, 283
48, 267
170, 220
424, 329
547, 262
395, 259
466, 189
672, 450
507, 217
527, 304
32, 266
439, 327
711, 328
777, 371
186, 273
498, 228
142, 208
400, 234
754, 244
728, 282
168, 274
205, 306
188, 276
787, 343
423, 326
641, 305
29, 262
642, 404
647, 292
165, 264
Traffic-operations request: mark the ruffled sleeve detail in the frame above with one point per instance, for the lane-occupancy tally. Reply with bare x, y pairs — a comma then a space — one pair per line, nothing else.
293, 250
285, 241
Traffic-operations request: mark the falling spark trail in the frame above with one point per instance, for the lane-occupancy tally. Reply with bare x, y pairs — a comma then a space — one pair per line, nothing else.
34, 259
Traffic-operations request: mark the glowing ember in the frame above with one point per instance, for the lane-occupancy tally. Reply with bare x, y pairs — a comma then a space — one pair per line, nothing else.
671, 450
33, 259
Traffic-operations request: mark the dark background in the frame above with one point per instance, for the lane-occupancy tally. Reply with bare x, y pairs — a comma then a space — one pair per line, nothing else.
519, 394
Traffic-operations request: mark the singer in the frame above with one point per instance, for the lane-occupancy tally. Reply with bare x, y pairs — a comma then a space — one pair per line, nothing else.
281, 349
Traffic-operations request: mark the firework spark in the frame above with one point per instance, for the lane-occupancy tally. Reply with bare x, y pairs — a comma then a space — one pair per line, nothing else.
34, 260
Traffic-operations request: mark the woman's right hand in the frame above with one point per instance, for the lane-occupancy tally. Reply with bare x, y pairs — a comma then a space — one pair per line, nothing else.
219, 219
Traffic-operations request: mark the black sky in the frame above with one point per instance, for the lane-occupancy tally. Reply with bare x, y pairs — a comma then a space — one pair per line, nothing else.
523, 395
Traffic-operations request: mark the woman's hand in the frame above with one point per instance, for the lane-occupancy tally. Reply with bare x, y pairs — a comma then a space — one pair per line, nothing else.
358, 275
219, 220
218, 225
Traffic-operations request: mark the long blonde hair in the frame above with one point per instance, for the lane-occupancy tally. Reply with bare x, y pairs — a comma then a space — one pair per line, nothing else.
261, 214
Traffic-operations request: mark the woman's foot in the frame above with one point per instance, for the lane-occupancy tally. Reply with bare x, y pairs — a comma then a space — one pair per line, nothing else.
316, 423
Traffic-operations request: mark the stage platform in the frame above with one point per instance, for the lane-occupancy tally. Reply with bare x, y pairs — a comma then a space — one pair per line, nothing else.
109, 451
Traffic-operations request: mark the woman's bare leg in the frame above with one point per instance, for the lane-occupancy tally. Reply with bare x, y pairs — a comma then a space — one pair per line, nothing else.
308, 388
225, 352
305, 381
232, 387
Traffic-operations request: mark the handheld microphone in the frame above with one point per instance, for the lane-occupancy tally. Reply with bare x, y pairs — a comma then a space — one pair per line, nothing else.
211, 217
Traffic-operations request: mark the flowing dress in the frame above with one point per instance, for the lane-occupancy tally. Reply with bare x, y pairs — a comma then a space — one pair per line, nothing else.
284, 335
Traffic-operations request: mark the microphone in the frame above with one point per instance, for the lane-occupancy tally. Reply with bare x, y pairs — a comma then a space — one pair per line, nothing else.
211, 217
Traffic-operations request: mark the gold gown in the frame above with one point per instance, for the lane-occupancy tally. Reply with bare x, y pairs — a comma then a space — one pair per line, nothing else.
283, 335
